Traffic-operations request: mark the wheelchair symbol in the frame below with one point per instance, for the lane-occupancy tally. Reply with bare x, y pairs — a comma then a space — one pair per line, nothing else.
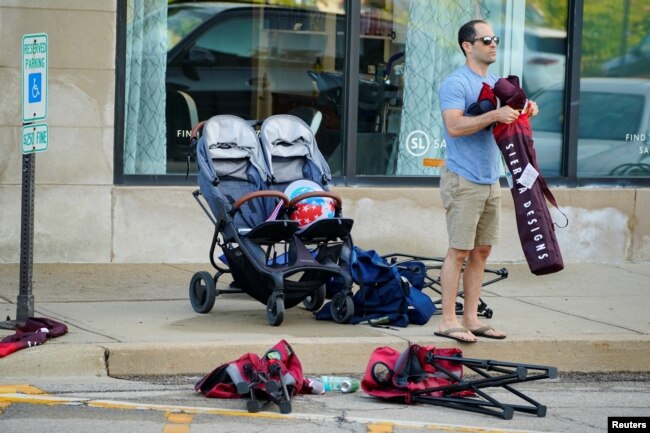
35, 94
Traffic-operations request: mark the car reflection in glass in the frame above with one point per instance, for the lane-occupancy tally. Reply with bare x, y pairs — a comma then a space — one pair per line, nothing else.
613, 131
635, 63
248, 60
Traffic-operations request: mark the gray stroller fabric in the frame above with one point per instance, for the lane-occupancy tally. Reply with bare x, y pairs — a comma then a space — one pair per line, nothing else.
230, 137
291, 147
232, 164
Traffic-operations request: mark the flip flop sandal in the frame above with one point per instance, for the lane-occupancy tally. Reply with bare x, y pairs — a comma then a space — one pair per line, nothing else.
447, 334
483, 332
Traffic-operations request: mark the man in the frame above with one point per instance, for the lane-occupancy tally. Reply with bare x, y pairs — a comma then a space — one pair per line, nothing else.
469, 186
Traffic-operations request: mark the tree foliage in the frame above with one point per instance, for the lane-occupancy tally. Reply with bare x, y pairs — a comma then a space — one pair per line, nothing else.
610, 28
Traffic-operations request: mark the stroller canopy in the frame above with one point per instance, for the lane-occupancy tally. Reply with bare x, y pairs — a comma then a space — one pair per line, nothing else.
232, 164
285, 136
228, 137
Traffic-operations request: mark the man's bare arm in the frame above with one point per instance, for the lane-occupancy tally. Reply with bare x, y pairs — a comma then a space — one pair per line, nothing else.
459, 125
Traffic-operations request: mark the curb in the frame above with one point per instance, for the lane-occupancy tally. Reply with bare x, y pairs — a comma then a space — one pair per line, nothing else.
56, 360
596, 356
322, 356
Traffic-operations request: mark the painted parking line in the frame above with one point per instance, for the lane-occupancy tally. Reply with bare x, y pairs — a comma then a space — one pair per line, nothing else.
377, 425
3, 406
384, 427
20, 389
17, 389
177, 422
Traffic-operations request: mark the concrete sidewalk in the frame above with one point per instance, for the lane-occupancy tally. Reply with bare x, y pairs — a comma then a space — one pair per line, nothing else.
137, 320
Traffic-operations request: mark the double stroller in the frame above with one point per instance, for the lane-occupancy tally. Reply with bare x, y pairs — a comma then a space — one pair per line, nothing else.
275, 259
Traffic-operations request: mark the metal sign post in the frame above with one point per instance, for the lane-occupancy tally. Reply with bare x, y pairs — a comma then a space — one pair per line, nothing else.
35, 139
25, 307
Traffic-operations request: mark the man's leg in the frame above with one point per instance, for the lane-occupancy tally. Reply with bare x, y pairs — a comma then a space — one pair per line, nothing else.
449, 281
472, 285
487, 234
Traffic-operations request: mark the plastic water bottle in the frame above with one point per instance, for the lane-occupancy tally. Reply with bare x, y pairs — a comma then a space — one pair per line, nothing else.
316, 386
337, 383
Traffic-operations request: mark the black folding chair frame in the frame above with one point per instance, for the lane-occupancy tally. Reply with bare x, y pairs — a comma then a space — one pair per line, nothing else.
433, 281
493, 374
262, 384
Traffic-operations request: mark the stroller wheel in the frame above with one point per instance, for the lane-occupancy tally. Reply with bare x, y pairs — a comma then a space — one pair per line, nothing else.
488, 313
342, 308
203, 292
316, 300
275, 310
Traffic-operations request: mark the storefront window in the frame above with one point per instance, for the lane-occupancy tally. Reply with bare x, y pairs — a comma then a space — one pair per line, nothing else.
144, 114
544, 63
614, 130
187, 61
409, 46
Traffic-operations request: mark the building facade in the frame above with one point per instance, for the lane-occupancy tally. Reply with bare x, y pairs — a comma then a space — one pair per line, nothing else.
127, 79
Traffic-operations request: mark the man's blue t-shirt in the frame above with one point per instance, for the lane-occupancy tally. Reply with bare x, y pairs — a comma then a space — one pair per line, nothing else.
476, 157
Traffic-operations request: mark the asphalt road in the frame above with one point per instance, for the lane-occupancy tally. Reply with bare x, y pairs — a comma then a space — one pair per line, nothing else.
576, 403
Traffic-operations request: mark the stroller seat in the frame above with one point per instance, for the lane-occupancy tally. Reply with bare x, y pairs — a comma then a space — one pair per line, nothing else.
293, 153
272, 231
294, 156
269, 230
261, 249
327, 229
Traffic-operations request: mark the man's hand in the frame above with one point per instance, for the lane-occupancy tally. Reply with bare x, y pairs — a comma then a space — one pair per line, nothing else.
506, 114
532, 109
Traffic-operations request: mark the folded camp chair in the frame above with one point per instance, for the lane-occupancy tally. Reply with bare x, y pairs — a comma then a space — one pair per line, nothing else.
273, 378
425, 374
431, 278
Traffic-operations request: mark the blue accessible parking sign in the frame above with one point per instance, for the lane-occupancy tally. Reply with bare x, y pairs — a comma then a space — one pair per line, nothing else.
35, 89
35, 65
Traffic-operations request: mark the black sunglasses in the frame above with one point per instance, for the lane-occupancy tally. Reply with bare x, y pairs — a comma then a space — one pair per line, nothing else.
487, 40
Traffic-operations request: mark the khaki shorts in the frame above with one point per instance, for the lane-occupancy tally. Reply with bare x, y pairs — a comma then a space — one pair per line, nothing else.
473, 211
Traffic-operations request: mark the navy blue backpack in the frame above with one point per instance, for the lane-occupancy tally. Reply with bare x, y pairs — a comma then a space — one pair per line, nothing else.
386, 295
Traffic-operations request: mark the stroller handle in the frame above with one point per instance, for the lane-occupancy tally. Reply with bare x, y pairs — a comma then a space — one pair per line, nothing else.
196, 130
257, 194
335, 197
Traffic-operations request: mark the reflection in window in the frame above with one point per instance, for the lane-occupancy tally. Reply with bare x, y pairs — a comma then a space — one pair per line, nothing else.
231, 43
428, 31
611, 120
622, 116
614, 111
547, 130
180, 22
253, 61
551, 118
543, 78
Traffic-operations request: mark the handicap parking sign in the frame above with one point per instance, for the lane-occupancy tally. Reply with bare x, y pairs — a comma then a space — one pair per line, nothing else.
35, 66
35, 91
